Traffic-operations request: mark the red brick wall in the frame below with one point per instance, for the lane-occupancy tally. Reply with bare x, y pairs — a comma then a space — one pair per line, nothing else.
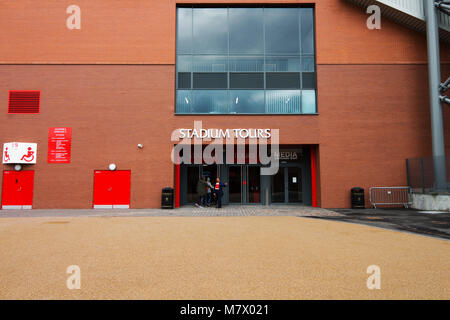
138, 31
372, 97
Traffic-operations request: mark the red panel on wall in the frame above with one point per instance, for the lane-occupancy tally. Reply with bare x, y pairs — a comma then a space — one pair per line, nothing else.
17, 192
313, 176
112, 189
59, 145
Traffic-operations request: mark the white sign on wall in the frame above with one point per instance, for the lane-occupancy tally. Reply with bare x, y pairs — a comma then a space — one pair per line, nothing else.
19, 152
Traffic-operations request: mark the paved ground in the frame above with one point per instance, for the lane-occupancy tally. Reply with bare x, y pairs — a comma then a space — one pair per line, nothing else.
186, 211
430, 223
246, 257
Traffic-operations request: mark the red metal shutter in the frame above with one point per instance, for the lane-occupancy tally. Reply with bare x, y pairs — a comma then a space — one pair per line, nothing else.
24, 101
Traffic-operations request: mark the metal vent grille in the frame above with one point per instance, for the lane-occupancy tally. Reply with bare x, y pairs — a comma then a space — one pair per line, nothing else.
24, 101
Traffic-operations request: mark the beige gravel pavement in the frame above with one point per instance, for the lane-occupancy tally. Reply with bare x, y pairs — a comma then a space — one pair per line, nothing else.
216, 258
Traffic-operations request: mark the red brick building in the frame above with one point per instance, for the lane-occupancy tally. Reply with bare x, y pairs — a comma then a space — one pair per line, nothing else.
114, 83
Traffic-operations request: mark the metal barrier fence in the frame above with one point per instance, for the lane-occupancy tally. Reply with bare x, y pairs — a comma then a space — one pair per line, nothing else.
390, 196
420, 174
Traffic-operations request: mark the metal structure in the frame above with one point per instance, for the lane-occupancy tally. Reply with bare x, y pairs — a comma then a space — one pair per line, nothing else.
436, 88
390, 196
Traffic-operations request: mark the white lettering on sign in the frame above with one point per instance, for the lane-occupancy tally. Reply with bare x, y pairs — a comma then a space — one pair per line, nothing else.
287, 155
225, 133
19, 152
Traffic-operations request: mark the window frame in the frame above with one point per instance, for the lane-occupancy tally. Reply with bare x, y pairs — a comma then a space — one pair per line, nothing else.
301, 57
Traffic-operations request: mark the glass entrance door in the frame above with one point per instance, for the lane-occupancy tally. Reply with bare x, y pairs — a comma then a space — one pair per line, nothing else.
193, 175
278, 187
253, 184
235, 184
211, 172
294, 185
287, 185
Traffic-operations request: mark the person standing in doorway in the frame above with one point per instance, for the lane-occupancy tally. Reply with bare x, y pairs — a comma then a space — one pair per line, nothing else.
209, 192
218, 189
201, 192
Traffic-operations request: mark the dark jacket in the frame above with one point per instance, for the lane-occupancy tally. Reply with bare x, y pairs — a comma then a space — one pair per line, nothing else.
221, 186
202, 187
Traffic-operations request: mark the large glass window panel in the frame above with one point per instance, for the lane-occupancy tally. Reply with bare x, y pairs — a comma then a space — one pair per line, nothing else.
211, 80
283, 80
184, 63
246, 64
309, 101
247, 101
210, 30
307, 18
246, 30
308, 63
252, 80
280, 64
184, 30
210, 101
184, 101
283, 101
226, 54
209, 63
282, 31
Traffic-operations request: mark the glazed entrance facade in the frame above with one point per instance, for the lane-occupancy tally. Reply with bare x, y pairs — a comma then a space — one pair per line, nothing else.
246, 185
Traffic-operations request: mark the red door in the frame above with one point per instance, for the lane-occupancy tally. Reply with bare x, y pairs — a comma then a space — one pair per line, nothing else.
112, 189
17, 189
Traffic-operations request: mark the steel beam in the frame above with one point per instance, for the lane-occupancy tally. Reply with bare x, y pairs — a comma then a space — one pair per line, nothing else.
434, 75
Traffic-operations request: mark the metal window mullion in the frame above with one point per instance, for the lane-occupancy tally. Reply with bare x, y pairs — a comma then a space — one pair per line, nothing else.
228, 61
264, 58
422, 173
191, 65
300, 12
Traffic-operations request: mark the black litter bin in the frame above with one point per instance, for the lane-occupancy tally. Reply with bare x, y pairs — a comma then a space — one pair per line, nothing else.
167, 198
357, 198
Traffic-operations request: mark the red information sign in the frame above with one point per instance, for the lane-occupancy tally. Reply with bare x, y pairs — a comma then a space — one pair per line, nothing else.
59, 141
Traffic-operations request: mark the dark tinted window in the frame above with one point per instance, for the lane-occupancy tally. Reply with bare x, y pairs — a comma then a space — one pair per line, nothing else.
283, 80
213, 80
309, 81
184, 80
247, 80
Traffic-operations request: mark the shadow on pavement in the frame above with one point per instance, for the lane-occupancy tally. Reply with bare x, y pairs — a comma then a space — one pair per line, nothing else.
430, 223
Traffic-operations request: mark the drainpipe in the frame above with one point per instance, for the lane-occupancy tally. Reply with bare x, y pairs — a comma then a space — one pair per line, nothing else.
434, 76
